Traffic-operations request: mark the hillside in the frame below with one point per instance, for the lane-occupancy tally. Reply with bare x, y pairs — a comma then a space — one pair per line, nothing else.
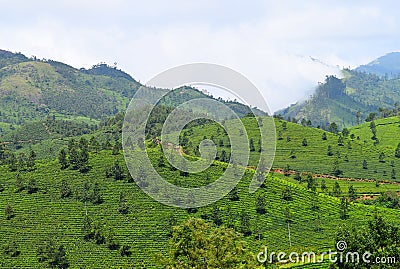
347, 150
48, 212
387, 65
32, 89
347, 101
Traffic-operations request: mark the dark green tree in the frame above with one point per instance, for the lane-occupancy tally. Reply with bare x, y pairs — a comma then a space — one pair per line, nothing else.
63, 159
260, 204
123, 206
336, 190
31, 187
352, 193
8, 212
344, 207
11, 249
233, 195
54, 256
304, 143
365, 164
65, 190
245, 223
397, 151
251, 144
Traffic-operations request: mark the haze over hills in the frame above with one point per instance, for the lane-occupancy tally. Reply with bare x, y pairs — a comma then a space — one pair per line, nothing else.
348, 101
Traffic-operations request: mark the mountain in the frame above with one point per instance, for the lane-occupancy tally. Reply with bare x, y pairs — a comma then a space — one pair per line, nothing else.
387, 65
346, 101
31, 89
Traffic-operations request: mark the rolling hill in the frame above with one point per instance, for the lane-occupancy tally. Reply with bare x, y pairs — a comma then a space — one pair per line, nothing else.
349, 100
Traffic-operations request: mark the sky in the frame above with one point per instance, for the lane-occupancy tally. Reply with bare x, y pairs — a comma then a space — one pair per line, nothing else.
284, 47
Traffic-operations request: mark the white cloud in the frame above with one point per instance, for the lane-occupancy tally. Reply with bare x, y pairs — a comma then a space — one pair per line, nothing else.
270, 42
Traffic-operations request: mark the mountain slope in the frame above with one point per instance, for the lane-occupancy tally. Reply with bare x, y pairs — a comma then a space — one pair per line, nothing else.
341, 100
31, 89
387, 65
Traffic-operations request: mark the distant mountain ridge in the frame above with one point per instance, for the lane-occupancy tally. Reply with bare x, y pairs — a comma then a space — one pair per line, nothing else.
31, 89
348, 101
387, 65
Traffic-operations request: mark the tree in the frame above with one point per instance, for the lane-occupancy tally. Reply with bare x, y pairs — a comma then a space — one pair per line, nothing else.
216, 215
65, 190
311, 184
161, 162
336, 171
378, 237
329, 152
365, 164
123, 206
287, 194
30, 163
304, 142
382, 157
223, 157
260, 204
11, 249
31, 187
245, 223
116, 148
344, 206
393, 174
51, 254
12, 163
96, 196
251, 145
333, 128
112, 243
324, 136
125, 251
8, 212
118, 171
233, 195
372, 126
397, 151
336, 190
340, 140
352, 193
19, 183
197, 244
345, 132
62, 159
371, 117
323, 185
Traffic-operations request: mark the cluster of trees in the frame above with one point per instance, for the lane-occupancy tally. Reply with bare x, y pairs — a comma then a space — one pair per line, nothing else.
96, 232
77, 155
198, 244
379, 238
20, 163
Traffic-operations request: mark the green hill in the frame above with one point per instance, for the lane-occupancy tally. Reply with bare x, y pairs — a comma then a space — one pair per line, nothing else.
348, 154
44, 214
32, 89
347, 101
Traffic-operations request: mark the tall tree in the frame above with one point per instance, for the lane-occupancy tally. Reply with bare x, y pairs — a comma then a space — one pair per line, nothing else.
62, 159
197, 244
